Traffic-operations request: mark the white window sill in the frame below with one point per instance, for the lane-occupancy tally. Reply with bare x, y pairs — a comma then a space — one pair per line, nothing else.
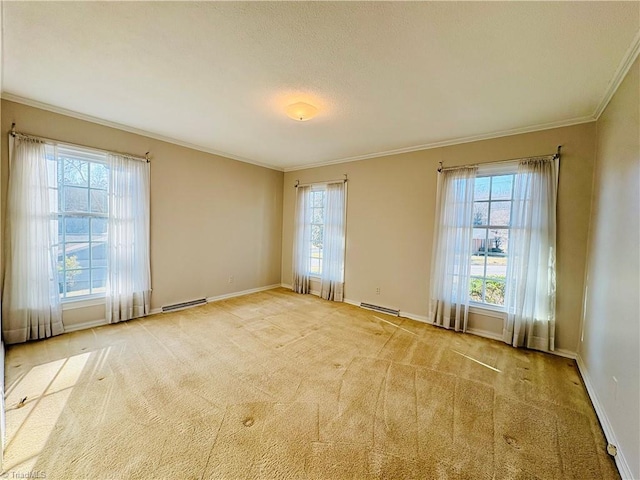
488, 310
82, 302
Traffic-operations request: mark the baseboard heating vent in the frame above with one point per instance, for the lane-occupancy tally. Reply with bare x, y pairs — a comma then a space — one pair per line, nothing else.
179, 306
378, 308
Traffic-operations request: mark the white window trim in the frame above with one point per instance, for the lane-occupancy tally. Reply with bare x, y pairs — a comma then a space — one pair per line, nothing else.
83, 302
487, 310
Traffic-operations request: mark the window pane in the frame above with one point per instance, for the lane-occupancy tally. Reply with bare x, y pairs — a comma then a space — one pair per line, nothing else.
79, 287
496, 267
481, 191
501, 187
316, 235
99, 229
494, 292
98, 280
315, 266
475, 289
317, 197
99, 176
477, 265
498, 241
75, 172
76, 199
500, 213
479, 241
480, 213
317, 215
99, 254
99, 201
76, 281
76, 229
76, 255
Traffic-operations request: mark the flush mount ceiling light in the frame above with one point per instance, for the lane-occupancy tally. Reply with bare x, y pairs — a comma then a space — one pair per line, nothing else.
301, 111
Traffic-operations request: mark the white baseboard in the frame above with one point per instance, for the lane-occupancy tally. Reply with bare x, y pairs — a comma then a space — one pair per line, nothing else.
286, 285
98, 323
417, 318
473, 331
241, 293
561, 352
351, 302
621, 462
85, 325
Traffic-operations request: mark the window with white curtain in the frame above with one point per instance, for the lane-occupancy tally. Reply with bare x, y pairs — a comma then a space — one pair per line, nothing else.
495, 245
77, 227
319, 238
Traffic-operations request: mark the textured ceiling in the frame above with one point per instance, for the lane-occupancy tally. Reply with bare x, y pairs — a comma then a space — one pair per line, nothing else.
385, 76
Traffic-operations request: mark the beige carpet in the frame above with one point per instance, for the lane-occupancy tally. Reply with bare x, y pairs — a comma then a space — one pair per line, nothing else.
277, 385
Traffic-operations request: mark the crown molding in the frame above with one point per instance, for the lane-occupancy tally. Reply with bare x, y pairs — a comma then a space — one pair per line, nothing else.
88, 118
621, 72
448, 143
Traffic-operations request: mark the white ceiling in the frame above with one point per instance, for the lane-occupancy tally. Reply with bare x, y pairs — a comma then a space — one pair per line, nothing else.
385, 76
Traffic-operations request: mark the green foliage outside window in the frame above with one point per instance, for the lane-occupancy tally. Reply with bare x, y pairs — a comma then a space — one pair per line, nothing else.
71, 265
494, 292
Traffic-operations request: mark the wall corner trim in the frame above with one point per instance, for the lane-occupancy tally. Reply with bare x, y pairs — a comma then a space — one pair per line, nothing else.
621, 462
621, 72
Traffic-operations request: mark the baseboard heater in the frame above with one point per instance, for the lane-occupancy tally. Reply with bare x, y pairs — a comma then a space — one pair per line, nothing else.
179, 306
378, 308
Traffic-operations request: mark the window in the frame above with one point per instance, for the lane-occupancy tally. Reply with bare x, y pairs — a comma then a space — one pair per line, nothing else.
493, 198
79, 189
317, 202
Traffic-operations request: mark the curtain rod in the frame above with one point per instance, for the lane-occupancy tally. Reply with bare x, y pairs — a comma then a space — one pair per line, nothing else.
298, 184
52, 141
554, 155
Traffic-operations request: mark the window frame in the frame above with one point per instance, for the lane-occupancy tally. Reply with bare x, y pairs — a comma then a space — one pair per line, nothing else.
58, 154
314, 189
491, 171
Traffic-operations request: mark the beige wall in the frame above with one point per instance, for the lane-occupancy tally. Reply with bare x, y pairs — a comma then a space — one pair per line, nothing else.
611, 332
390, 216
211, 217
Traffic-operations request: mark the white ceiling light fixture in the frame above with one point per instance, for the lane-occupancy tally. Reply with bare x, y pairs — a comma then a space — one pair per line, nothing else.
301, 111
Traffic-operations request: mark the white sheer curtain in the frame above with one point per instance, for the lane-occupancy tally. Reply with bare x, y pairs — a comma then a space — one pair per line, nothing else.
128, 279
302, 241
531, 270
332, 284
31, 298
451, 259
